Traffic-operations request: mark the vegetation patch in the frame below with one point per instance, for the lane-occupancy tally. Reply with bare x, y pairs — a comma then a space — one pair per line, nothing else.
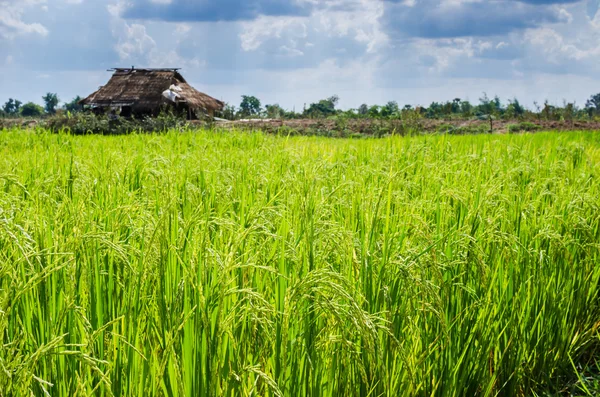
206, 263
523, 127
89, 123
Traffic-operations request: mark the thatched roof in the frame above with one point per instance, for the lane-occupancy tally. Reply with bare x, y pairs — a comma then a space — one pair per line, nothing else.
142, 89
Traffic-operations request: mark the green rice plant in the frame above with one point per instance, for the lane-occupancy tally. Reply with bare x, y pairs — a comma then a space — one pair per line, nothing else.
211, 263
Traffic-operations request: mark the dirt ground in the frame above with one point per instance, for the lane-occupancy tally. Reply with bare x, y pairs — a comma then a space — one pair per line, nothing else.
337, 128
370, 127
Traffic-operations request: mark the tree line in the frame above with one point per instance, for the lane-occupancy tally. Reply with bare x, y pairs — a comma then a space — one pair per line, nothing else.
14, 108
486, 108
457, 108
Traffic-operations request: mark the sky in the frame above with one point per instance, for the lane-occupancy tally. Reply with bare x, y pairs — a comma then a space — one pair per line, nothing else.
295, 52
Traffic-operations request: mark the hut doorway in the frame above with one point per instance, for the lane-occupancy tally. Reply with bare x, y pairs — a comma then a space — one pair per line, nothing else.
126, 111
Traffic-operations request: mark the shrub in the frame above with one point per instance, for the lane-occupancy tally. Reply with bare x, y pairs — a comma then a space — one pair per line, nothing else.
88, 123
523, 127
462, 130
513, 128
473, 129
31, 109
445, 129
528, 126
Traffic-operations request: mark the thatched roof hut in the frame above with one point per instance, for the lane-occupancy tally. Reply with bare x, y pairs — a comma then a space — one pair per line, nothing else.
146, 91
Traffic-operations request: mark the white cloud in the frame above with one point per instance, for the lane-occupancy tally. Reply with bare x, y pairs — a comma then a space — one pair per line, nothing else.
265, 27
575, 46
182, 29
357, 20
558, 49
291, 51
134, 42
11, 19
565, 16
328, 78
137, 47
448, 52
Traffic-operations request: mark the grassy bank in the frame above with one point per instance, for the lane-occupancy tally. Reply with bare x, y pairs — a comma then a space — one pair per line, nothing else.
209, 264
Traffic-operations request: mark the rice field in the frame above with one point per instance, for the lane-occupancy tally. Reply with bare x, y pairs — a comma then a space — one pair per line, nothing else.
207, 263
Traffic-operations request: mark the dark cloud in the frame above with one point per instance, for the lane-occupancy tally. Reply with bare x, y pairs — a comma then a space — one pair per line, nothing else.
210, 10
431, 19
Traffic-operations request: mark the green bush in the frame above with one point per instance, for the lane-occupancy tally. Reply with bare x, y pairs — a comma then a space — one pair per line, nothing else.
462, 130
446, 129
473, 129
89, 123
527, 126
513, 128
523, 127
31, 109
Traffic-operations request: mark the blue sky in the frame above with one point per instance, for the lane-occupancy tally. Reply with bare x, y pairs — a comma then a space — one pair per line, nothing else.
299, 51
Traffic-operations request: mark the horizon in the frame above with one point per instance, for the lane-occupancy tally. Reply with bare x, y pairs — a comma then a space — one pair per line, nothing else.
296, 53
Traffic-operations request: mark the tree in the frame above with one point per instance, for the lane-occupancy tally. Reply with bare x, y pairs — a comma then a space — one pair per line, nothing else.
12, 106
538, 110
374, 111
51, 100
391, 108
434, 110
363, 109
548, 111
31, 109
593, 105
323, 108
456, 105
485, 106
74, 105
448, 109
498, 108
466, 109
228, 112
514, 109
569, 111
250, 106
274, 111
489, 109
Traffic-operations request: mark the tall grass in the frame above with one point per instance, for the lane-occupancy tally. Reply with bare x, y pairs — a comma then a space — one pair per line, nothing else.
209, 264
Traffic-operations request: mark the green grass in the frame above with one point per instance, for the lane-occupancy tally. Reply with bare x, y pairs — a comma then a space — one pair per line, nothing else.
230, 264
